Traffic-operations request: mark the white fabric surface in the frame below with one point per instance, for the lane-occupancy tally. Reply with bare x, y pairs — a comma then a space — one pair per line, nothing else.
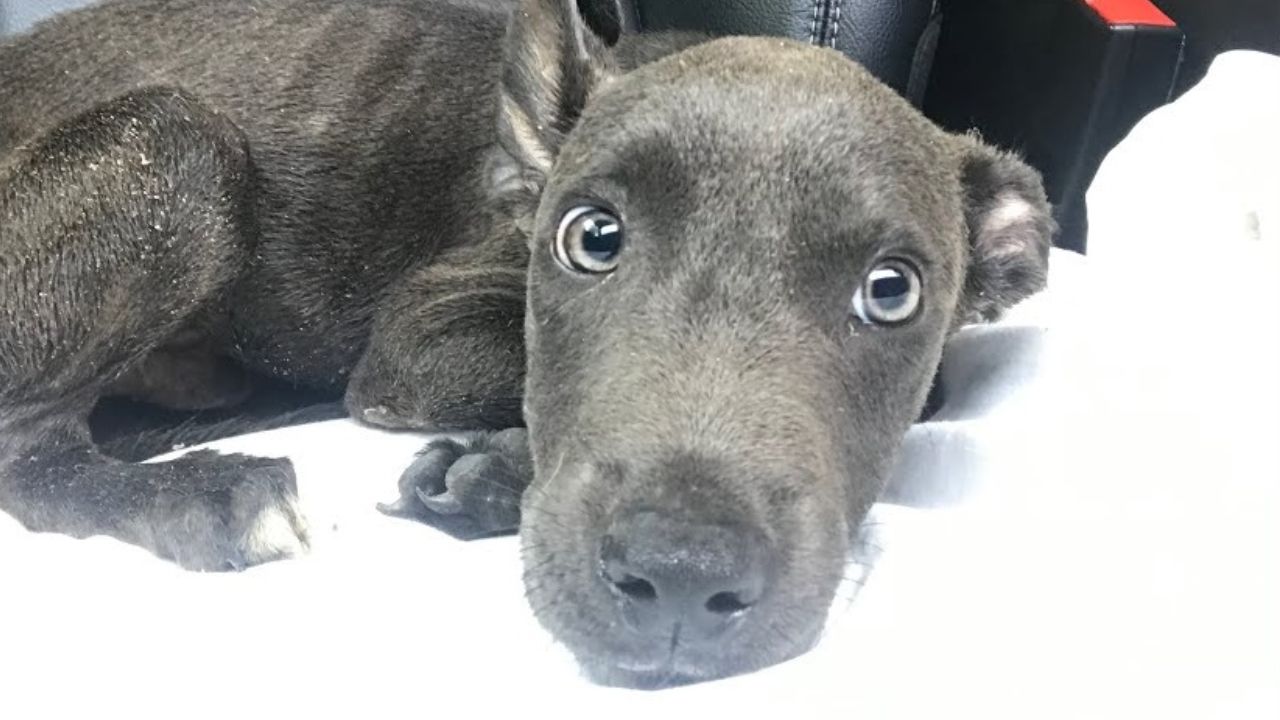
1093, 526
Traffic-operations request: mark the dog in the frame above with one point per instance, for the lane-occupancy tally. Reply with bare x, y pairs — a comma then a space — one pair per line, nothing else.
691, 292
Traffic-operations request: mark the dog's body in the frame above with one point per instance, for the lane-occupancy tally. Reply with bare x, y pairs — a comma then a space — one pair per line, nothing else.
366, 126
376, 196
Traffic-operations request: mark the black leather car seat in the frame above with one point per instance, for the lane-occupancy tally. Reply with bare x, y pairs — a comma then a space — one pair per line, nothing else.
894, 39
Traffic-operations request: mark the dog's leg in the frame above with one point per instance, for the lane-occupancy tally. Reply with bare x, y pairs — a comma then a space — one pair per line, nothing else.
116, 229
448, 355
447, 348
470, 487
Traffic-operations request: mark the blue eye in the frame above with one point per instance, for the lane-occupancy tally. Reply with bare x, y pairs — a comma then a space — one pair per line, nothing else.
589, 240
888, 295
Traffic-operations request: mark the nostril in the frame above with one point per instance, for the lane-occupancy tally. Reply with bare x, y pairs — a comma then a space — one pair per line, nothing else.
665, 572
636, 588
727, 603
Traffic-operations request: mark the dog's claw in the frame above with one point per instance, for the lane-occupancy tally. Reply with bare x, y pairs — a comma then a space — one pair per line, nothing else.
444, 503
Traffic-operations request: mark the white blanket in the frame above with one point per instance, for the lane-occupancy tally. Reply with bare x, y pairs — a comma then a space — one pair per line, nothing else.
1091, 527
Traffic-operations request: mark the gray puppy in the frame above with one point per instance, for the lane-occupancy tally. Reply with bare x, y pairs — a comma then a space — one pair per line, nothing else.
715, 279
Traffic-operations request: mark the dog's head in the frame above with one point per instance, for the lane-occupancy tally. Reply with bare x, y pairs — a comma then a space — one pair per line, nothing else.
746, 258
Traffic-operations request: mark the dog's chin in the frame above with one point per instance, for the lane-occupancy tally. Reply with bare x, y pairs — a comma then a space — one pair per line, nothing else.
653, 676
677, 669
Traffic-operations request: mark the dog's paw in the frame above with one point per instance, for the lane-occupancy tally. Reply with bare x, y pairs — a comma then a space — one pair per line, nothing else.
469, 488
240, 511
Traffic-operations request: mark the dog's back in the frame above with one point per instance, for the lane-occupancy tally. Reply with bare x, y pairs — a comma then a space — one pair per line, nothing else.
366, 125
348, 63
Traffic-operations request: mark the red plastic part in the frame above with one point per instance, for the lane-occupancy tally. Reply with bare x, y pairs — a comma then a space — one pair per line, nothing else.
1130, 12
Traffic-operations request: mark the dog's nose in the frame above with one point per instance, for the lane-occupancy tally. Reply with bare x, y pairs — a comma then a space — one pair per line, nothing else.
673, 576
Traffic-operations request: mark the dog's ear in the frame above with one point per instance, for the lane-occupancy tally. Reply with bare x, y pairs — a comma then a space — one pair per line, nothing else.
1010, 226
553, 61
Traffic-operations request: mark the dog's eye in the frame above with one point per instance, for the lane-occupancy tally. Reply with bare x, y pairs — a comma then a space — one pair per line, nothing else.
889, 295
589, 240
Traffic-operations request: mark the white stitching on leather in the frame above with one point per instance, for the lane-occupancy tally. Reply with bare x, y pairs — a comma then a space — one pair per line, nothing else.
813, 25
835, 24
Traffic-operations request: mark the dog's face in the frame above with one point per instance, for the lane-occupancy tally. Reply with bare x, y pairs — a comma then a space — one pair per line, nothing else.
746, 258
